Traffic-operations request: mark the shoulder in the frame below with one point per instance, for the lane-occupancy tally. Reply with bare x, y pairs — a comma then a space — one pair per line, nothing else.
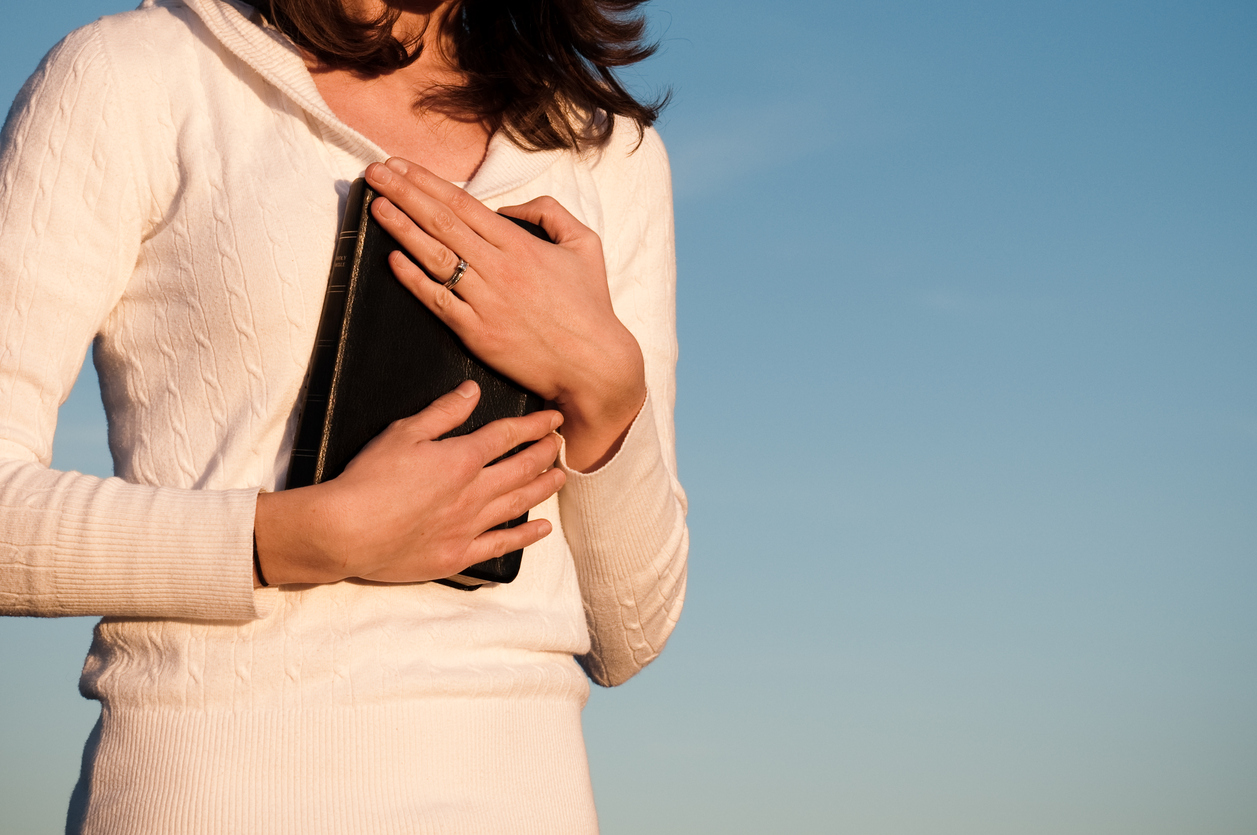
155, 36
116, 51
102, 95
135, 61
633, 163
630, 147
634, 187
164, 23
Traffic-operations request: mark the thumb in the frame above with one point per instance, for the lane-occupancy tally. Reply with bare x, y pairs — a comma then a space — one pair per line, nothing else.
559, 224
447, 412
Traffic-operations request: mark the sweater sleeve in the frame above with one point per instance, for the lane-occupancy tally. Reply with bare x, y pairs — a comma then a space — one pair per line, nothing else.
73, 210
626, 521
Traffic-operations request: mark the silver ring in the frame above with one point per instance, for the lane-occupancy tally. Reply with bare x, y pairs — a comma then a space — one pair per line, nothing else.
458, 274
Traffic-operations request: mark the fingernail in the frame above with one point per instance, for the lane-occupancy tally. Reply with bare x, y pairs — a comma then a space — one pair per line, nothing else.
556, 421
385, 208
466, 388
377, 173
398, 165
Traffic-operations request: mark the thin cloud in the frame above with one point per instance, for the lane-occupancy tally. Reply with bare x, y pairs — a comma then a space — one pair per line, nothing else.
711, 150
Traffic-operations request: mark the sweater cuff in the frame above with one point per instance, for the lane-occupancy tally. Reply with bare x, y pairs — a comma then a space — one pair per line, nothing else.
614, 517
189, 552
108, 547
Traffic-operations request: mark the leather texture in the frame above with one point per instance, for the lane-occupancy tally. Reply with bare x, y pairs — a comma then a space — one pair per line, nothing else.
380, 356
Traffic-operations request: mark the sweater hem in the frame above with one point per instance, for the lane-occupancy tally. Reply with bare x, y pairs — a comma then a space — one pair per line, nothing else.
417, 766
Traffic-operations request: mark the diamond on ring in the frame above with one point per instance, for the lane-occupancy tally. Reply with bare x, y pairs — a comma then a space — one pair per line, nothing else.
458, 274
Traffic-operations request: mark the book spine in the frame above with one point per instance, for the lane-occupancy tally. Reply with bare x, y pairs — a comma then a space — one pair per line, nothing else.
306, 463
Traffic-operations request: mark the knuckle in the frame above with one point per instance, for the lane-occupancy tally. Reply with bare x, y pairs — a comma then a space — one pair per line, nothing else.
547, 450
443, 220
466, 467
511, 435
449, 561
445, 261
446, 411
402, 190
445, 404
443, 301
461, 201
420, 424
409, 429
421, 176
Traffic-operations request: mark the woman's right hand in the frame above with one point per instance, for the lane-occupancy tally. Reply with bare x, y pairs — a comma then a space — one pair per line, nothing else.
410, 508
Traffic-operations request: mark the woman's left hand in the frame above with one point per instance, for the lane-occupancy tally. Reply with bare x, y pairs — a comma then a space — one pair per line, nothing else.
537, 312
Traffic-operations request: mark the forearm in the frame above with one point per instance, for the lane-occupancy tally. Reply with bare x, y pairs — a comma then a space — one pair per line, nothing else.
626, 526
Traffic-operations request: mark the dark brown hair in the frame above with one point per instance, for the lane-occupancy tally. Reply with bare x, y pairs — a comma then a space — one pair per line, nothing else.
539, 69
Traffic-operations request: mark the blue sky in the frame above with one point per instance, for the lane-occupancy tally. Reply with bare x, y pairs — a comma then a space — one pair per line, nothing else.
968, 418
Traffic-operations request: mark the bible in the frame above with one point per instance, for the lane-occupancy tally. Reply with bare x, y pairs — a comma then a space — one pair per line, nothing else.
379, 356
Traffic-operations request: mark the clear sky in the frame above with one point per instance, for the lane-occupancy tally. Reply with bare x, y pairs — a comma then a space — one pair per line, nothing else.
967, 414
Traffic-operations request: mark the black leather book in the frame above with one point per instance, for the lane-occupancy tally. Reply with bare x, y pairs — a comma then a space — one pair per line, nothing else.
380, 355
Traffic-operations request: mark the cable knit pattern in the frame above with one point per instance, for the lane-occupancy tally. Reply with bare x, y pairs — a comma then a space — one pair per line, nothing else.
171, 183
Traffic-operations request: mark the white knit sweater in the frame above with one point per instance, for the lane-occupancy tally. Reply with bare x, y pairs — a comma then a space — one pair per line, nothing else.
170, 185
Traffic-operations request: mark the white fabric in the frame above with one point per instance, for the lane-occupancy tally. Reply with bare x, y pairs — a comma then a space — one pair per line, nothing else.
170, 184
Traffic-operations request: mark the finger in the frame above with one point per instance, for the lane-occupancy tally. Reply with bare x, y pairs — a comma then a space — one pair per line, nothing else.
516, 503
446, 413
476, 215
495, 543
493, 440
434, 257
399, 181
444, 303
519, 469
548, 213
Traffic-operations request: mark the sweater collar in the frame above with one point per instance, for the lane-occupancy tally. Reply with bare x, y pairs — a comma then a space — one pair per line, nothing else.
237, 26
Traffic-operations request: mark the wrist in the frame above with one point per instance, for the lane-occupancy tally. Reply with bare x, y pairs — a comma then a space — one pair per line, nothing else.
611, 413
290, 539
595, 423
609, 387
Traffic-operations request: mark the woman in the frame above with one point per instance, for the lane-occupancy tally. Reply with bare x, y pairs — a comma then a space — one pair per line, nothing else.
172, 180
